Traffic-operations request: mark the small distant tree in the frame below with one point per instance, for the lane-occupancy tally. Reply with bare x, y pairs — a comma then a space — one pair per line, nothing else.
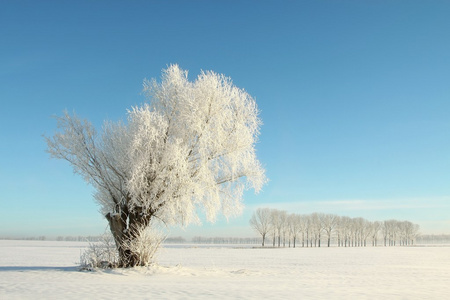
302, 226
408, 232
317, 228
415, 233
191, 146
376, 227
284, 229
340, 231
296, 225
261, 222
308, 230
278, 223
385, 231
366, 232
329, 222
390, 231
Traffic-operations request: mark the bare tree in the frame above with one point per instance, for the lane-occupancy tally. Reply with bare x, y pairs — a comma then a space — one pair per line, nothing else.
414, 233
303, 224
317, 228
407, 232
390, 229
343, 231
309, 231
284, 227
273, 224
329, 222
376, 227
385, 231
191, 146
350, 232
366, 232
261, 222
278, 221
353, 231
295, 226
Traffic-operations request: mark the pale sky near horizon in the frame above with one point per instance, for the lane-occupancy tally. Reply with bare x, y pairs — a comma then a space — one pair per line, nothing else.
354, 96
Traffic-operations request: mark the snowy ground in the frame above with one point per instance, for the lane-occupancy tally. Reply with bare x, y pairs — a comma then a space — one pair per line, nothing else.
47, 270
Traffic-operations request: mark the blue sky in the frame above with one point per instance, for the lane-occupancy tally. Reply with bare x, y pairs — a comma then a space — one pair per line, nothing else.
354, 96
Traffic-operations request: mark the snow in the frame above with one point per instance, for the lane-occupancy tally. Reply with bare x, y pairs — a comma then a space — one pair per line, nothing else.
46, 270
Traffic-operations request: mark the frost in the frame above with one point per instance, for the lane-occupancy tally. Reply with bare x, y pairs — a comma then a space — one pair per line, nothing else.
190, 146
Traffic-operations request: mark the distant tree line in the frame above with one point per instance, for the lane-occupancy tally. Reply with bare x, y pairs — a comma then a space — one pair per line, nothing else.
224, 240
167, 240
90, 238
433, 239
175, 240
311, 230
422, 239
29, 238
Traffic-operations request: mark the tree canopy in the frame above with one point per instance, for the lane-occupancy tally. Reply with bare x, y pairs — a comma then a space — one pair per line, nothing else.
190, 146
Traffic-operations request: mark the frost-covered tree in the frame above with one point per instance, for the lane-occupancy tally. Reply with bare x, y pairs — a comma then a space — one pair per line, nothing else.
340, 230
191, 146
376, 227
303, 225
366, 227
273, 222
261, 222
296, 225
317, 228
308, 230
329, 222
284, 230
279, 221
390, 230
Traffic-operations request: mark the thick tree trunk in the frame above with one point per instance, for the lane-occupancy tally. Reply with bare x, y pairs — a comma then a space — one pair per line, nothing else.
124, 230
118, 228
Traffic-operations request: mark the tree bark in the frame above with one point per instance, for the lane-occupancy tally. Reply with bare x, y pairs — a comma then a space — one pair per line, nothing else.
118, 227
124, 228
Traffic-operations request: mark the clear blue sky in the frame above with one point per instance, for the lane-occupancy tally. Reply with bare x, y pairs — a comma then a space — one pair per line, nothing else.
354, 96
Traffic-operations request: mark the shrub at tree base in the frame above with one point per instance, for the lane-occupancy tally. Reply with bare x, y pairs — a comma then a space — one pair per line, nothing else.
104, 254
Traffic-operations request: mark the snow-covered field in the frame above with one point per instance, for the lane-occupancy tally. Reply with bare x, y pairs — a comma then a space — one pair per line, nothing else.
47, 270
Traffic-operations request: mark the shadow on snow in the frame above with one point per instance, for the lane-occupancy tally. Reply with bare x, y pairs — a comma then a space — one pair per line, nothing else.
37, 268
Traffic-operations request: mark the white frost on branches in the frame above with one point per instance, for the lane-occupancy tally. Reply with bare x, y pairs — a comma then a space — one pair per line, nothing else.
190, 146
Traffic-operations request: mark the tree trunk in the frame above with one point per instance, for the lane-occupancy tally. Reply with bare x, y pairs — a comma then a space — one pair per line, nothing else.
118, 227
125, 233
